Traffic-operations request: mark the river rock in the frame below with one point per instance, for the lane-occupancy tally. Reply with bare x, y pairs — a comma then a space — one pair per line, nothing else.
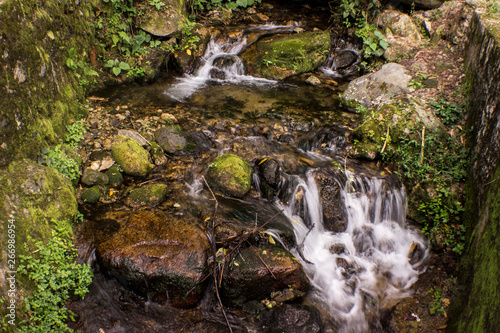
91, 195
371, 89
159, 157
171, 139
163, 21
294, 318
401, 32
155, 255
332, 203
280, 56
134, 135
115, 176
428, 4
93, 177
230, 174
148, 195
249, 279
269, 173
132, 158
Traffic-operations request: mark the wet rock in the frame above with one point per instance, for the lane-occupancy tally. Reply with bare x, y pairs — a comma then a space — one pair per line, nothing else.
134, 135
286, 295
313, 80
156, 255
294, 319
159, 157
171, 139
230, 174
93, 177
148, 195
91, 195
371, 89
334, 211
249, 279
401, 32
153, 63
115, 176
280, 56
428, 4
269, 173
132, 158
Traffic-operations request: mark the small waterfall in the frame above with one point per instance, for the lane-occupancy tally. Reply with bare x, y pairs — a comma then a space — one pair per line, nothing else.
221, 63
363, 270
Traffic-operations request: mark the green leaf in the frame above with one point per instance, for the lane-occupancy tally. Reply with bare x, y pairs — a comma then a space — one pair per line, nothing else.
384, 44
241, 3
378, 34
124, 66
110, 63
231, 5
116, 71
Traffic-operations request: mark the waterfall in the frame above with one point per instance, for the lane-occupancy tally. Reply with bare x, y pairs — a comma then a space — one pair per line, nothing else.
362, 270
221, 63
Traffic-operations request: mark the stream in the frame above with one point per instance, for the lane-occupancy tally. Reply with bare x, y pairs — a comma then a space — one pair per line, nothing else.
344, 220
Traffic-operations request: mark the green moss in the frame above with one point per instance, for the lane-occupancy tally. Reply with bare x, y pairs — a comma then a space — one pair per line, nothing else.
115, 176
151, 194
230, 174
91, 195
132, 157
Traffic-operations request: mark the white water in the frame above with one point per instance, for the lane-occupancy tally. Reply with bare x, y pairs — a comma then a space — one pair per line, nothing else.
376, 245
221, 64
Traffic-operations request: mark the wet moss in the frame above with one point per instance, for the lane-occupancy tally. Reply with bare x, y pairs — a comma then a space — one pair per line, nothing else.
230, 174
114, 175
129, 154
151, 195
91, 195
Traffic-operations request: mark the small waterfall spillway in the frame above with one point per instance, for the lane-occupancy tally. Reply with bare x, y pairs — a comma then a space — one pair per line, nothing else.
365, 269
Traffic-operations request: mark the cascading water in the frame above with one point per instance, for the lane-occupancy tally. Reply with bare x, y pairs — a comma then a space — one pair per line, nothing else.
221, 63
364, 269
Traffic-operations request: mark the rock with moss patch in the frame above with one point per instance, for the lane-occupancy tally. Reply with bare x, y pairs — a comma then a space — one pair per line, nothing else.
230, 174
161, 20
171, 139
115, 176
159, 157
280, 56
93, 177
251, 279
148, 195
132, 158
91, 195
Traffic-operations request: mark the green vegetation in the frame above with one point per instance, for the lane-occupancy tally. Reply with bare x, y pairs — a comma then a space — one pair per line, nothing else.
84, 72
228, 4
450, 113
59, 159
157, 4
56, 277
74, 133
437, 305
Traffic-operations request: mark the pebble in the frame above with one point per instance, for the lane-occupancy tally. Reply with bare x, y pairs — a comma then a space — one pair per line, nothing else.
97, 145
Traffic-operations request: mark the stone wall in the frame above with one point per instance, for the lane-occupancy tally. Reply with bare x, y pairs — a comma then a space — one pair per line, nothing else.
476, 306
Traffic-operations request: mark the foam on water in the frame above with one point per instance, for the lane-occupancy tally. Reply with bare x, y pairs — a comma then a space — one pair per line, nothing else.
364, 269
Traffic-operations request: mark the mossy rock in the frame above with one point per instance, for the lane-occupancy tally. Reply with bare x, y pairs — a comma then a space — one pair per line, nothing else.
115, 176
231, 175
132, 158
150, 195
93, 177
171, 139
91, 195
281, 56
34, 197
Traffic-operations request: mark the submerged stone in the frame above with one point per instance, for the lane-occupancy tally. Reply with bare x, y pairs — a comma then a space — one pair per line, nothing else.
280, 56
91, 195
115, 176
93, 177
156, 255
148, 195
133, 159
171, 139
230, 174
250, 279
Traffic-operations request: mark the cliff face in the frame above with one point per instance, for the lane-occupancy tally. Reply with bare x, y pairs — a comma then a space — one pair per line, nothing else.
476, 308
45, 56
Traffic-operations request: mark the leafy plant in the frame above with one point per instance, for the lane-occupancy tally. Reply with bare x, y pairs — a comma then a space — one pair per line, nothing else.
74, 133
51, 267
449, 113
84, 71
437, 305
58, 159
157, 4
117, 66
374, 43
228, 4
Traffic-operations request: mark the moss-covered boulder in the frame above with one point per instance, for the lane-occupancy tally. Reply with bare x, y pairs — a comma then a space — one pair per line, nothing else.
132, 158
231, 175
148, 195
93, 177
115, 176
91, 195
154, 254
250, 279
280, 56
32, 198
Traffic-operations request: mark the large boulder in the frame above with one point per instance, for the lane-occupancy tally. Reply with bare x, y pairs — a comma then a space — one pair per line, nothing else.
401, 32
133, 159
257, 271
280, 56
231, 175
161, 20
154, 254
375, 88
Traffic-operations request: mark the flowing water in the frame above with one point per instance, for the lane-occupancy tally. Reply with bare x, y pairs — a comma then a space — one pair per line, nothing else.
357, 272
